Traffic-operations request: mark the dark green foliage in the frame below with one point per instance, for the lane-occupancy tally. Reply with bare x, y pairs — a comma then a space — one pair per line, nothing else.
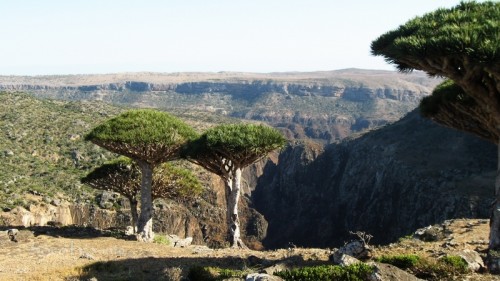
242, 137
401, 261
243, 144
353, 272
142, 127
146, 135
469, 30
445, 93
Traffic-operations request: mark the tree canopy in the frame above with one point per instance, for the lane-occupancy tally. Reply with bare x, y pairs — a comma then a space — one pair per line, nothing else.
123, 176
243, 144
446, 42
144, 134
451, 106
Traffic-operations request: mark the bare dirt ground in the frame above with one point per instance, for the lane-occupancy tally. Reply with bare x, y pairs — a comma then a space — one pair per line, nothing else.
85, 254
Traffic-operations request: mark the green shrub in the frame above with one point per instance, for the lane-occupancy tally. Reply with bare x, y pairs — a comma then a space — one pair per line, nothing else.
353, 272
161, 239
401, 261
445, 268
200, 273
455, 263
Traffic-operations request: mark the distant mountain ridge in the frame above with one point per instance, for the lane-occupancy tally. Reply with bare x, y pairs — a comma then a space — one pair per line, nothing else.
325, 105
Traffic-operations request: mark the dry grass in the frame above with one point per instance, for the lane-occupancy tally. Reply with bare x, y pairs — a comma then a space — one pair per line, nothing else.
54, 257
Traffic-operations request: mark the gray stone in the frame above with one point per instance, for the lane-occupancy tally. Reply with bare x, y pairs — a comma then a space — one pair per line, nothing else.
262, 277
473, 259
12, 233
275, 268
355, 249
387, 272
429, 234
344, 260
56, 202
183, 242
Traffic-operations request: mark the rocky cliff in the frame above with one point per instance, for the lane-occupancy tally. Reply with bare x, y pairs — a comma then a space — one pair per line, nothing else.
387, 183
326, 106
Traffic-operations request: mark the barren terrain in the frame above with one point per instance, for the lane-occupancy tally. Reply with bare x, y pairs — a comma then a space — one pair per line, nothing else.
83, 253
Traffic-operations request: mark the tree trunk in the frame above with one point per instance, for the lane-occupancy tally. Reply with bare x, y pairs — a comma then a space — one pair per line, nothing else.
234, 197
133, 211
145, 223
494, 245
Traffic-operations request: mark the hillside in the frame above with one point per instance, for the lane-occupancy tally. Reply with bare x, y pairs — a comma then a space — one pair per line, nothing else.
42, 148
326, 106
43, 157
387, 182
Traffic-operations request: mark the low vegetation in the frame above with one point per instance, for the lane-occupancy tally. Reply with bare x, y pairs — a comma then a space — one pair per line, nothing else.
445, 268
355, 272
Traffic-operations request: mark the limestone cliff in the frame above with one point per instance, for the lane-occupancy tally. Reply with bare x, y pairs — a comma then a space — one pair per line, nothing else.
387, 182
327, 106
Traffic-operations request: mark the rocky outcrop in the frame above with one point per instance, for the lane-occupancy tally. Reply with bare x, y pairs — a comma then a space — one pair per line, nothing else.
326, 106
386, 183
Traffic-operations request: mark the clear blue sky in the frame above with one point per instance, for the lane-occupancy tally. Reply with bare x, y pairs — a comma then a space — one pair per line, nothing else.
107, 36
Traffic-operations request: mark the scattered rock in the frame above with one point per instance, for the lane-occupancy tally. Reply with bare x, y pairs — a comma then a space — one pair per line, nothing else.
184, 242
344, 260
387, 272
178, 242
12, 233
262, 277
473, 259
275, 268
87, 256
56, 202
429, 234
356, 249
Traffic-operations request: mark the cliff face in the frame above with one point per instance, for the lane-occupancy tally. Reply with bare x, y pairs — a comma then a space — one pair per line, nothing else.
387, 183
326, 106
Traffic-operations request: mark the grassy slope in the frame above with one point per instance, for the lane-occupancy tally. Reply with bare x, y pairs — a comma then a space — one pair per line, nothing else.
39, 142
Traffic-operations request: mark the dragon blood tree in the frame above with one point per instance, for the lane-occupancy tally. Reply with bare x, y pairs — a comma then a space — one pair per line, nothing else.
461, 44
225, 150
123, 176
149, 138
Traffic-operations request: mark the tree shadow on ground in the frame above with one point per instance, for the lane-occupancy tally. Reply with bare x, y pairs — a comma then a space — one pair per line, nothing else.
72, 231
173, 268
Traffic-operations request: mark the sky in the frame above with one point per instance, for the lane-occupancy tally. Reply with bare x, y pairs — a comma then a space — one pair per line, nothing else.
108, 36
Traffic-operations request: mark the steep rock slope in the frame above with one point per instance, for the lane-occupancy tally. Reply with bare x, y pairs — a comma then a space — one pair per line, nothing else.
387, 182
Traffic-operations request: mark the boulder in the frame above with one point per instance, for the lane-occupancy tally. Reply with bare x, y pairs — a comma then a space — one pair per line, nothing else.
387, 272
12, 233
178, 242
356, 249
344, 260
429, 234
473, 259
262, 277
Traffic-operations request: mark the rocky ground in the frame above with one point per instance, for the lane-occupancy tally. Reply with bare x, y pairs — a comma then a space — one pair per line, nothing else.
70, 253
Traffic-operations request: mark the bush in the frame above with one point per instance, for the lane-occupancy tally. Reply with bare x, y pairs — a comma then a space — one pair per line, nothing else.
161, 239
199, 273
455, 263
355, 272
445, 268
401, 261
